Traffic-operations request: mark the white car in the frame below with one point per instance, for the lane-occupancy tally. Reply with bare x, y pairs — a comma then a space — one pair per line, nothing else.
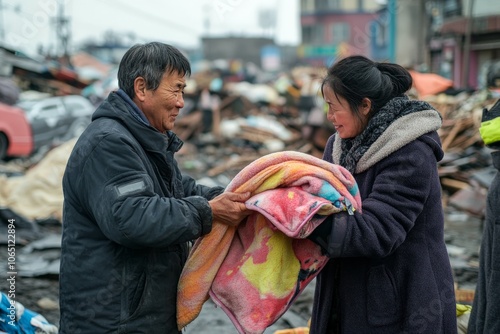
57, 119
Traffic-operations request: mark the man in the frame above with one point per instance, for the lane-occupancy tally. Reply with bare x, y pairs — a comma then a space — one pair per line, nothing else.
128, 212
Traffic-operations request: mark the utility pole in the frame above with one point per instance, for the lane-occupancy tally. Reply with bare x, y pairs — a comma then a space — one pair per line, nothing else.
465, 76
62, 32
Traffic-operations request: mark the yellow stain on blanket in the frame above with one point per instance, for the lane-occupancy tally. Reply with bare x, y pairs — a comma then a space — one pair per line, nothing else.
273, 180
274, 255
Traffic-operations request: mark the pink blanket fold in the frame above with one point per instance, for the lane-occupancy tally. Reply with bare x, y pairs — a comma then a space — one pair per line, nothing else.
254, 272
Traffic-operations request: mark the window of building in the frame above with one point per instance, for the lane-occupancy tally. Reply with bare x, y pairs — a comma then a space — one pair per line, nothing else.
312, 34
328, 4
307, 6
340, 32
451, 8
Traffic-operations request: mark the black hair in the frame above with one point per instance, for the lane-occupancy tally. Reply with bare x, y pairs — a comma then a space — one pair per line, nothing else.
150, 61
357, 77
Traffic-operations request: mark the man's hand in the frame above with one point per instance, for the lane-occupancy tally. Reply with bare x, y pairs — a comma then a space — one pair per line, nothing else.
229, 208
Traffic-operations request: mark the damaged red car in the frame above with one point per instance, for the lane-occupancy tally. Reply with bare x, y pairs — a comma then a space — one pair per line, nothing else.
16, 139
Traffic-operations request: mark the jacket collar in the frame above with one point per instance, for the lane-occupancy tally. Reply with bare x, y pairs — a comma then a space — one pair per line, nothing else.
135, 109
399, 133
116, 107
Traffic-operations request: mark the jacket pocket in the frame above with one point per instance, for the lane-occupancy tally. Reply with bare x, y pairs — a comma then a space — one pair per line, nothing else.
382, 297
137, 296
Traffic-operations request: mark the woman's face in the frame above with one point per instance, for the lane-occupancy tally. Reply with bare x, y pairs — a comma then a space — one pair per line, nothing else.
347, 124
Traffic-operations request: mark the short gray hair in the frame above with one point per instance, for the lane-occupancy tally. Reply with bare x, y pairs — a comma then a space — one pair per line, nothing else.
150, 61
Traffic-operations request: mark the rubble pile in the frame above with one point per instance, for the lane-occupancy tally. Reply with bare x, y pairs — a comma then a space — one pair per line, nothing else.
465, 171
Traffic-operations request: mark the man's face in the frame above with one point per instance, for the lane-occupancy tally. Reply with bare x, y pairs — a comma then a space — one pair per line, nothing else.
162, 106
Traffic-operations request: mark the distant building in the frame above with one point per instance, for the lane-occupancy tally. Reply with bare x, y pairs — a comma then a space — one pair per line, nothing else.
245, 49
452, 54
335, 28
248, 50
412, 32
106, 52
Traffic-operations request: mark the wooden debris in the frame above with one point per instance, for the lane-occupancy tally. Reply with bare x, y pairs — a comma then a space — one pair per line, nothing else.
470, 200
454, 184
232, 164
188, 125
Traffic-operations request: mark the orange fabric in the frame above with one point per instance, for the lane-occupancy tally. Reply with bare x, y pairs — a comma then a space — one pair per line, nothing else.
296, 330
429, 83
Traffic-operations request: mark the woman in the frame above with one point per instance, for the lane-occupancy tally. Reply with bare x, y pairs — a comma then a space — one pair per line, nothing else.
389, 270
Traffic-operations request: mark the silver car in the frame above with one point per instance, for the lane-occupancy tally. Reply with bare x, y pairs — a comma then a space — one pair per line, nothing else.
57, 119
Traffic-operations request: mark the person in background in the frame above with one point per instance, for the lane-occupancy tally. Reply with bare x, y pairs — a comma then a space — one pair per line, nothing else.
389, 270
208, 103
484, 317
129, 213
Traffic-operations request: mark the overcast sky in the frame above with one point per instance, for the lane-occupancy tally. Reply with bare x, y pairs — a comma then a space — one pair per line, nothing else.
29, 23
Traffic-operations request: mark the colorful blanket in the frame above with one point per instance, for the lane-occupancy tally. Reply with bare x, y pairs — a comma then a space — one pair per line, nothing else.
255, 271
